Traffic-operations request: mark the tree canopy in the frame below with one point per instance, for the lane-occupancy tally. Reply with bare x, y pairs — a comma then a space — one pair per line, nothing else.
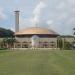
6, 33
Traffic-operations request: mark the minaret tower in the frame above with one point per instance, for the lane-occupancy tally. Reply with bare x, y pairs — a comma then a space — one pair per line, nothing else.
17, 21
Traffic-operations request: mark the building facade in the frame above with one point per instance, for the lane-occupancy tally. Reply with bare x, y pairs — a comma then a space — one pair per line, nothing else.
36, 37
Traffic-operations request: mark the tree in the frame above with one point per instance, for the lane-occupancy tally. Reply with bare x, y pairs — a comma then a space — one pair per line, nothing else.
6, 33
9, 42
59, 43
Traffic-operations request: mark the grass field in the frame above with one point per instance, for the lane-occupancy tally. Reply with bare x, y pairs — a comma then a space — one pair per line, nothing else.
42, 62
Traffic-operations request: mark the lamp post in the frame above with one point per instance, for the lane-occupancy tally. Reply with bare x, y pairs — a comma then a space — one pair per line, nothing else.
74, 33
74, 38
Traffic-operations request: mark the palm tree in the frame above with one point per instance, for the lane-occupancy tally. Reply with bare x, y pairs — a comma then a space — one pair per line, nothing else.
59, 43
1, 43
9, 42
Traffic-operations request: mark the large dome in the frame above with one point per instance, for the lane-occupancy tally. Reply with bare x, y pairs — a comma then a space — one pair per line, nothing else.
35, 30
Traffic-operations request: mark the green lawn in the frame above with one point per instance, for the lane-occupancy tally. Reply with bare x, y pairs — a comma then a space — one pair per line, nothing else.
38, 62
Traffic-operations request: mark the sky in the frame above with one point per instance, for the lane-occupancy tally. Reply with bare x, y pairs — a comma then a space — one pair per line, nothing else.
58, 15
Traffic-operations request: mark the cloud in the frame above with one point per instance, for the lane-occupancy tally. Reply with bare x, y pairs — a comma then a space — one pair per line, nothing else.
71, 2
59, 14
38, 12
2, 14
49, 22
61, 5
25, 22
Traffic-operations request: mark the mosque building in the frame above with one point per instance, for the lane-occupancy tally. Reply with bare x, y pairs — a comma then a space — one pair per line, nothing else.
34, 36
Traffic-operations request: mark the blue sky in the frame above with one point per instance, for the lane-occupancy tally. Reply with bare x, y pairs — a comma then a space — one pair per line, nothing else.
58, 15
